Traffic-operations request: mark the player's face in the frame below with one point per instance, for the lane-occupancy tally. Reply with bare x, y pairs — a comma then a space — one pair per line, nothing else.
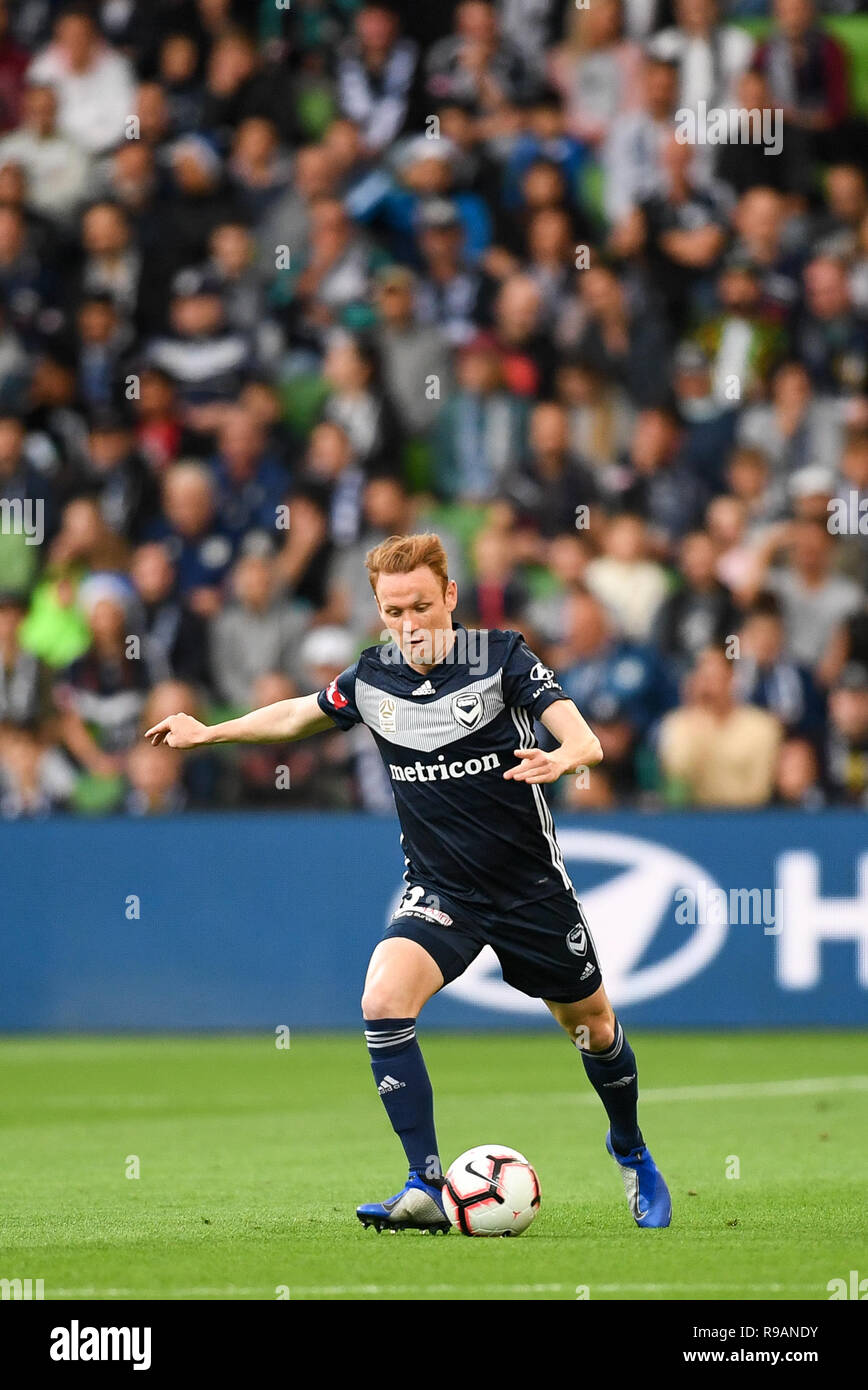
418, 614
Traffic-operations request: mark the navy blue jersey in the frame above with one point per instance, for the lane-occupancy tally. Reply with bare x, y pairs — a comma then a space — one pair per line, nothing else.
446, 739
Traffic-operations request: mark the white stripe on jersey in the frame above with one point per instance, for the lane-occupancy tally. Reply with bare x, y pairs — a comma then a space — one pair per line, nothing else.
524, 724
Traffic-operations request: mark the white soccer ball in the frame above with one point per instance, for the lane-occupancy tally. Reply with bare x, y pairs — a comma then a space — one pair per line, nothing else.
491, 1190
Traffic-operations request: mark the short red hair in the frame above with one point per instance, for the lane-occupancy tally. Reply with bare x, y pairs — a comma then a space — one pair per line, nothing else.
402, 554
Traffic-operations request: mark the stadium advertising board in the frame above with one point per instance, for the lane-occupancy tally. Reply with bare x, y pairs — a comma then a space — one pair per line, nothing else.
743, 920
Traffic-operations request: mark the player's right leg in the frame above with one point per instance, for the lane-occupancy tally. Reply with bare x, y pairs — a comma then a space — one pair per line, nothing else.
401, 978
426, 945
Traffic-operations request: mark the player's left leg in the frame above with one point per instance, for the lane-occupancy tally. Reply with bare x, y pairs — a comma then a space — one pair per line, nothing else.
610, 1064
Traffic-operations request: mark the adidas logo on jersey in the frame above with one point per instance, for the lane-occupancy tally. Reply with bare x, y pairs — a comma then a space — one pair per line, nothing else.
426, 688
588, 970
389, 1083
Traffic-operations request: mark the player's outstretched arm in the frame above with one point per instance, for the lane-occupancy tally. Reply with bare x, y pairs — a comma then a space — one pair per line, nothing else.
282, 722
579, 747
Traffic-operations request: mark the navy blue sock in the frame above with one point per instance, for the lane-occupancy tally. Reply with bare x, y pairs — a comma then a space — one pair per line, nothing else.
613, 1076
405, 1090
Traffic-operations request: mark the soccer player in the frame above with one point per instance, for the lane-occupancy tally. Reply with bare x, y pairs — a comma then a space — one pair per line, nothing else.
452, 711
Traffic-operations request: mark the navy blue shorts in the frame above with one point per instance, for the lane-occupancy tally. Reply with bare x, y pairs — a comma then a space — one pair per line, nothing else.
545, 948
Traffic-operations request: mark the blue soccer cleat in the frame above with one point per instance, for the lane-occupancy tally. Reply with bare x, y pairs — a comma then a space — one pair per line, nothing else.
647, 1194
417, 1207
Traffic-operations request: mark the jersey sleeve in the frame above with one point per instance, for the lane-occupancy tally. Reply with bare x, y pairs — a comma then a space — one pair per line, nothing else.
338, 700
527, 682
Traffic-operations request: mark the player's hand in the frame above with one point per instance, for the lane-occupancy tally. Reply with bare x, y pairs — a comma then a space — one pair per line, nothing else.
178, 731
535, 766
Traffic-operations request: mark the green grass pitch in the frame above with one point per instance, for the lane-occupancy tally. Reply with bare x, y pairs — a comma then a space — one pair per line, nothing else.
252, 1159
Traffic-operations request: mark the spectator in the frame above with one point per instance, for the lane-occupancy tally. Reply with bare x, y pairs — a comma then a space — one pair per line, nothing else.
565, 557
356, 403
814, 600
112, 265
375, 76
631, 586
711, 56
634, 147
807, 76
35, 778
24, 682
103, 347
660, 485
177, 71
101, 695
623, 341
837, 229
699, 614
94, 84
173, 636
112, 470
549, 486
476, 63
239, 84
623, 686
600, 417
332, 477
497, 596
597, 70
796, 427
155, 781
743, 341
481, 429
416, 366
333, 282
832, 338
259, 633
196, 542
848, 736
798, 784
252, 483
764, 677
205, 359
715, 751
56, 168
765, 500
449, 289
682, 233
243, 292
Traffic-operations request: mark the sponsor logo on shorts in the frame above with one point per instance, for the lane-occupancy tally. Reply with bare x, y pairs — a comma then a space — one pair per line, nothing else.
431, 914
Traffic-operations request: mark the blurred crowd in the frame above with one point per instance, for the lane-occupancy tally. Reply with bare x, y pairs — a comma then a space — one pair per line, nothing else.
278, 281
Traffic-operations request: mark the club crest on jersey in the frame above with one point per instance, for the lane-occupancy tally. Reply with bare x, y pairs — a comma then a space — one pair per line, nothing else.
577, 940
388, 710
467, 709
